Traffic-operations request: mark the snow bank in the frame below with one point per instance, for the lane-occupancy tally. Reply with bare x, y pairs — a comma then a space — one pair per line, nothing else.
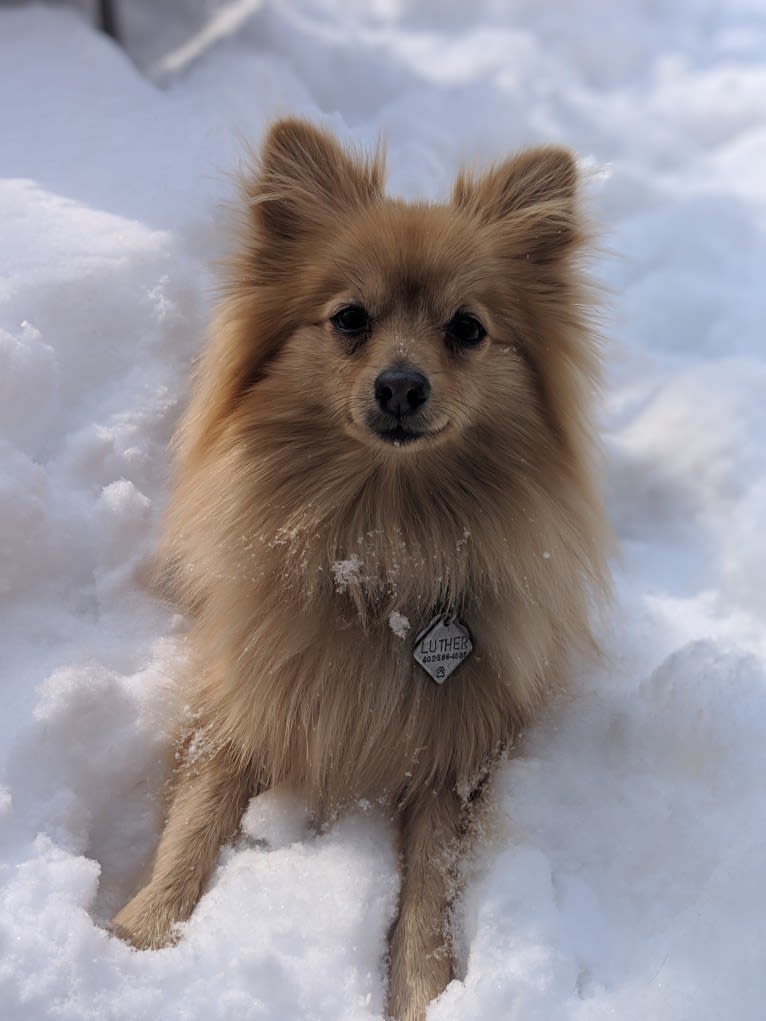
621, 869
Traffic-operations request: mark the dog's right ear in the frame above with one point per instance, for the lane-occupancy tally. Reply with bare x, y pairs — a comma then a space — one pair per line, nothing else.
306, 181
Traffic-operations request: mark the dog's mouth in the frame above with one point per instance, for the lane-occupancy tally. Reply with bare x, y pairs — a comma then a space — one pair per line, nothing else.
375, 429
400, 434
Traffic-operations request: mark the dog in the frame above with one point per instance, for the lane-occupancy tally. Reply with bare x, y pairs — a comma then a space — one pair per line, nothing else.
386, 519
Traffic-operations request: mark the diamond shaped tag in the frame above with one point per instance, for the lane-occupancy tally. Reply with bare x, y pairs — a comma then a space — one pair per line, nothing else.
442, 646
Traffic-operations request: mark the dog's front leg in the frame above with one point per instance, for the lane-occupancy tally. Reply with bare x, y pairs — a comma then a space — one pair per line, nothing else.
421, 955
210, 796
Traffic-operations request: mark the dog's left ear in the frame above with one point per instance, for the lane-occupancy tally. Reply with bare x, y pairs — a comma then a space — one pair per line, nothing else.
531, 197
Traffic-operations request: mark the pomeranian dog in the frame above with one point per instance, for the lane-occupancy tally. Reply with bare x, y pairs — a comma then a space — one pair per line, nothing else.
385, 520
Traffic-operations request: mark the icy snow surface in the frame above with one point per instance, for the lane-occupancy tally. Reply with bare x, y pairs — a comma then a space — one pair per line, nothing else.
623, 872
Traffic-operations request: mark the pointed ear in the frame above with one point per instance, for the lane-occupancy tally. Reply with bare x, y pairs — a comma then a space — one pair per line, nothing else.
533, 195
306, 180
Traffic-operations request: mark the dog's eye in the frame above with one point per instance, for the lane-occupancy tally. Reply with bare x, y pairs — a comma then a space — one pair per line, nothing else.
352, 320
465, 329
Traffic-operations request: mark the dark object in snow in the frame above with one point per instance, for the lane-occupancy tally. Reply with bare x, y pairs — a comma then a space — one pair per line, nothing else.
107, 18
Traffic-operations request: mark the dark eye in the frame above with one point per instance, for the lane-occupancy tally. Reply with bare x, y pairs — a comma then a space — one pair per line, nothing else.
465, 329
352, 320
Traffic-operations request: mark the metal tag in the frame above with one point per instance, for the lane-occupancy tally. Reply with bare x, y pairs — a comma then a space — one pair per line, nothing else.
442, 646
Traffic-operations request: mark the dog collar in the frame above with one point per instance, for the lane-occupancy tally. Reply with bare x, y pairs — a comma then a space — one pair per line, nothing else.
442, 645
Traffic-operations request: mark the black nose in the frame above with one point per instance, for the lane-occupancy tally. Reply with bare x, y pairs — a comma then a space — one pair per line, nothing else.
401, 392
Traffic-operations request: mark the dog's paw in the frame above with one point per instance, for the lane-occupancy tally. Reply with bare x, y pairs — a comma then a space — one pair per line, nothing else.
146, 922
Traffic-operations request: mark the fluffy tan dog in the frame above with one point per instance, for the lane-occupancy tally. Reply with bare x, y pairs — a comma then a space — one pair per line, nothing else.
385, 519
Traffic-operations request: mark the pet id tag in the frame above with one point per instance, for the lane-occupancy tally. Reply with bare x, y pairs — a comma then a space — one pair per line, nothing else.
442, 646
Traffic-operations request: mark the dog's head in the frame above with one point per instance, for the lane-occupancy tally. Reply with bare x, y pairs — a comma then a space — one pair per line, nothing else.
406, 326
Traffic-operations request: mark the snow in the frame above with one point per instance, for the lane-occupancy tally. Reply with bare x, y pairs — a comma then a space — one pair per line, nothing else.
399, 624
621, 868
346, 572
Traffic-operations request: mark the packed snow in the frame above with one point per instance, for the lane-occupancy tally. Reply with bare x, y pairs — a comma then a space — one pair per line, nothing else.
621, 872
